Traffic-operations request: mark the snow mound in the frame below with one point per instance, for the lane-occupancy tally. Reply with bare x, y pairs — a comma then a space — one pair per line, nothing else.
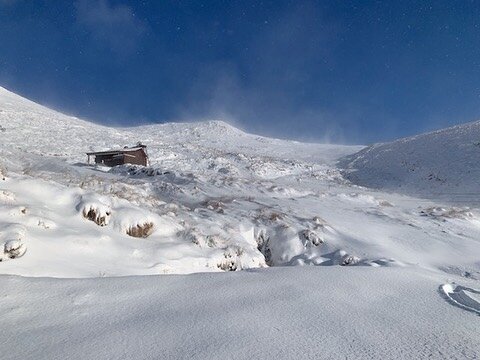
134, 222
13, 236
95, 209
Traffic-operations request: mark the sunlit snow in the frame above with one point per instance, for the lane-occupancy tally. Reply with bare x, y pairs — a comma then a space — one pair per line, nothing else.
366, 220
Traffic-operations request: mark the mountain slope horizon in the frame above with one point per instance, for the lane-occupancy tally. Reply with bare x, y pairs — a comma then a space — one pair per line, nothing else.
439, 163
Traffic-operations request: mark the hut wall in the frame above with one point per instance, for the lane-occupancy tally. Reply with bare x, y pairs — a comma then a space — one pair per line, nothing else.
138, 158
135, 157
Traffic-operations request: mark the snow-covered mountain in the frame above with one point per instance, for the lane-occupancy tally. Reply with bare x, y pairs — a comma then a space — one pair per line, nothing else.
444, 164
216, 199
203, 192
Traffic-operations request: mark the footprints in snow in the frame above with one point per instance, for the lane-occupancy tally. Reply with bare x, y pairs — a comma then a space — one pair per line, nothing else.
461, 296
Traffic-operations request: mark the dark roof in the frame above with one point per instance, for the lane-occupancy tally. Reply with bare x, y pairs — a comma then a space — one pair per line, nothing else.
119, 151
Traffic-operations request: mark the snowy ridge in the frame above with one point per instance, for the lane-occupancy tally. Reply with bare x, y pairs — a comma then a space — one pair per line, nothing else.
443, 164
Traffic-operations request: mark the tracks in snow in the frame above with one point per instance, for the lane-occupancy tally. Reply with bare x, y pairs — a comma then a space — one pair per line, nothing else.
462, 296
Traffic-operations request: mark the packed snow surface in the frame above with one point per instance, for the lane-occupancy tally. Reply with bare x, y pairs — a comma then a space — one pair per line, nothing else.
393, 249
282, 313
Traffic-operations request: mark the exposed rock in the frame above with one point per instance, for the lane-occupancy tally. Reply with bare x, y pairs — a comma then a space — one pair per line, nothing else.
231, 261
349, 260
441, 213
309, 236
317, 220
263, 245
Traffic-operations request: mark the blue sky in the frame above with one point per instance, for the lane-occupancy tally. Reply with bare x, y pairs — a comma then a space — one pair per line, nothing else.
342, 71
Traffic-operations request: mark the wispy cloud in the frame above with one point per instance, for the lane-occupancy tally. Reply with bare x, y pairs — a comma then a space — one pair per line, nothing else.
114, 25
275, 100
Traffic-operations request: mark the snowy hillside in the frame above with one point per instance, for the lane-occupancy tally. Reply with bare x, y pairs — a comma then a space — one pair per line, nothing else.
202, 193
216, 199
213, 199
444, 164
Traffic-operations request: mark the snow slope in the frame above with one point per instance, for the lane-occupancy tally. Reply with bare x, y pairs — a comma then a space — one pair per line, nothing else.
204, 198
216, 199
444, 164
280, 313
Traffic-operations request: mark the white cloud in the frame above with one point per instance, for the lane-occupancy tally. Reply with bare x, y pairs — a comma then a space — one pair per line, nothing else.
115, 25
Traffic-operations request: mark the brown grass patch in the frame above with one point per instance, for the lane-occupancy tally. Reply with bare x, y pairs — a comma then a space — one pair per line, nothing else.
91, 214
141, 230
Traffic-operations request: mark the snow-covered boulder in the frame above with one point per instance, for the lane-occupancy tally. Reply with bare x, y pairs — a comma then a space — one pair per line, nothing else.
13, 236
14, 249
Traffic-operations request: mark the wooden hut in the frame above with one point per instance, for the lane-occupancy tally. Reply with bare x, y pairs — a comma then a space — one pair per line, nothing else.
128, 155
